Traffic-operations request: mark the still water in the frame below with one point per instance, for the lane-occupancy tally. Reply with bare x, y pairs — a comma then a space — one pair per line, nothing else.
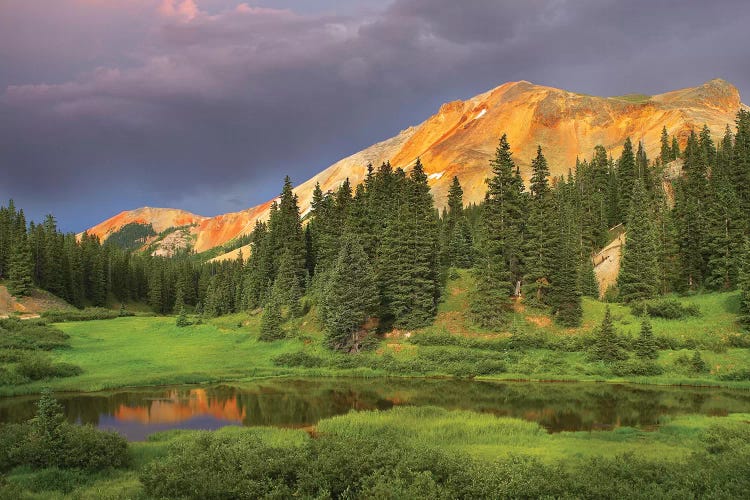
300, 403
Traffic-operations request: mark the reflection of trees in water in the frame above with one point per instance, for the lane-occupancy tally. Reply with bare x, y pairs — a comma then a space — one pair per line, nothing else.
556, 406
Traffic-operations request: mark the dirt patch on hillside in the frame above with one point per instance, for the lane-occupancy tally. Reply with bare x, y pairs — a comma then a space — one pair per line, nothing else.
542, 321
29, 307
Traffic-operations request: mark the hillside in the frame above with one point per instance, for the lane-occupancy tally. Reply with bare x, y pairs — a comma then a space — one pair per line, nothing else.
461, 137
31, 306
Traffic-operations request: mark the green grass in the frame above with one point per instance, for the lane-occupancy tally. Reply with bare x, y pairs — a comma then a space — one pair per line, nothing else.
148, 351
479, 436
489, 437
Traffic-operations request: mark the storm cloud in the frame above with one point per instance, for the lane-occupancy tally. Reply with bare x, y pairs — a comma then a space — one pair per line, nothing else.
206, 104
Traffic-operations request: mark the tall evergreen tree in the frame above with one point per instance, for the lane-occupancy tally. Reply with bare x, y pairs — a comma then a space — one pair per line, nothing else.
501, 241
271, 321
608, 346
626, 175
744, 286
639, 268
351, 296
21, 265
540, 239
666, 151
565, 297
645, 345
457, 243
408, 258
286, 287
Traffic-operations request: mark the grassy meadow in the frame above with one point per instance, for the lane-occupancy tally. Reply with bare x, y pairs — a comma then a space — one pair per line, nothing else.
152, 350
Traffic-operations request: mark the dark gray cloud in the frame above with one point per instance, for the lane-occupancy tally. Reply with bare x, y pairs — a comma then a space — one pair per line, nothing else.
206, 105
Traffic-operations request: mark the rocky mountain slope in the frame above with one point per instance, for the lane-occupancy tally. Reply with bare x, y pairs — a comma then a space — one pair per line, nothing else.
462, 136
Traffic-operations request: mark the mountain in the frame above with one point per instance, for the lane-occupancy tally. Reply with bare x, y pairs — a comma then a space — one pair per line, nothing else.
462, 136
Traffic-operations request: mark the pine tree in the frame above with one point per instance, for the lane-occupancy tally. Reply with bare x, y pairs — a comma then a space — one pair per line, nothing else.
587, 282
626, 175
457, 245
408, 257
271, 321
564, 295
182, 319
639, 268
690, 211
744, 286
725, 234
540, 240
21, 265
666, 151
286, 287
645, 345
608, 345
675, 148
501, 242
351, 296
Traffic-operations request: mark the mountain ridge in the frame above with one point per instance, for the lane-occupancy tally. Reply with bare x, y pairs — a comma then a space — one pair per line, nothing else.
461, 137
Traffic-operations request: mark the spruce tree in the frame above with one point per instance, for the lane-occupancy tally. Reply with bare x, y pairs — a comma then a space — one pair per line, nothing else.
564, 295
690, 210
271, 321
645, 345
744, 286
608, 345
182, 319
457, 244
351, 296
675, 148
666, 152
286, 287
639, 267
540, 240
21, 265
500, 242
408, 257
587, 282
626, 175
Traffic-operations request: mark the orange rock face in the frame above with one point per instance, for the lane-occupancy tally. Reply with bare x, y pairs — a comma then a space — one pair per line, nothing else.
461, 138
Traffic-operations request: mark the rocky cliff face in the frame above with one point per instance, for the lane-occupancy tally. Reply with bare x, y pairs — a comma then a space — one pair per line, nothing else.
462, 136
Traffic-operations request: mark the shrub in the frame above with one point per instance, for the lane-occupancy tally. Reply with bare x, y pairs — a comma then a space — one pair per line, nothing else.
48, 440
637, 367
738, 375
88, 314
36, 366
691, 364
299, 359
30, 335
666, 308
9, 377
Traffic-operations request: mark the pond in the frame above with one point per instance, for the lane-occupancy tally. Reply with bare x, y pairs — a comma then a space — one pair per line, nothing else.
136, 413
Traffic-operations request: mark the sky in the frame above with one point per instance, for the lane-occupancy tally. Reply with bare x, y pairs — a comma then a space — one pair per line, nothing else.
205, 105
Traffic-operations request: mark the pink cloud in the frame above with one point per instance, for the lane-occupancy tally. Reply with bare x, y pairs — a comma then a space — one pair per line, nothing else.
185, 10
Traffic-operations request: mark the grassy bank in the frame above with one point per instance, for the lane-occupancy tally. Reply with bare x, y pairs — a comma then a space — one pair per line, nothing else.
422, 452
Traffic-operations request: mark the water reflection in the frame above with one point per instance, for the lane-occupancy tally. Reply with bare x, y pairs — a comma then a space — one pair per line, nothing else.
300, 403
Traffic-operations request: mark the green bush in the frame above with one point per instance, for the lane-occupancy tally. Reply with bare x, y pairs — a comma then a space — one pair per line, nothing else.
30, 335
37, 366
48, 440
88, 314
665, 308
637, 367
299, 359
9, 377
738, 375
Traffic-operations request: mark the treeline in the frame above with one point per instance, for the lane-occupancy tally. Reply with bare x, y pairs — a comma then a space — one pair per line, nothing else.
377, 256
